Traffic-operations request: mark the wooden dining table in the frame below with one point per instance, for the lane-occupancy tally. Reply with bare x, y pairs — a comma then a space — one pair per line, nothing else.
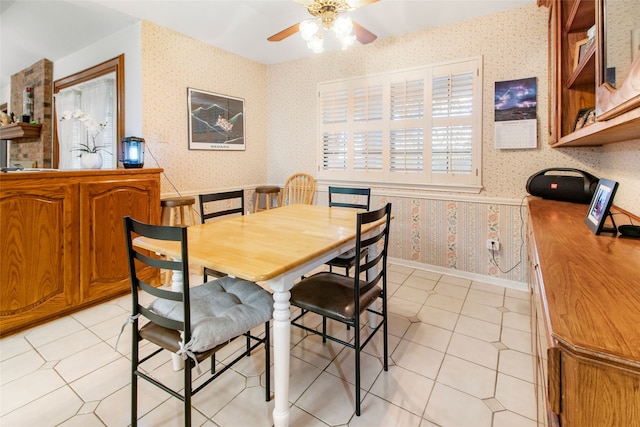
275, 246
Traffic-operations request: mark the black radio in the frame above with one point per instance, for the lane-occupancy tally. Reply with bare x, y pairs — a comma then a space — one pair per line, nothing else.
576, 188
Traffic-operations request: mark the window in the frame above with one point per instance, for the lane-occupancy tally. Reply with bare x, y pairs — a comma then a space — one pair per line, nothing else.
421, 126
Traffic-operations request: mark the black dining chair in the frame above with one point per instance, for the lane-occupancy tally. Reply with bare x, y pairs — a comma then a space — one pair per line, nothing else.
345, 299
215, 205
354, 198
193, 322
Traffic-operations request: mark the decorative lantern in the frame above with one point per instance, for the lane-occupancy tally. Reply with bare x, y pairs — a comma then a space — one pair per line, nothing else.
132, 152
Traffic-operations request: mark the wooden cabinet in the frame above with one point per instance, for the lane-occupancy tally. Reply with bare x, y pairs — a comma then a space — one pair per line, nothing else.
585, 318
573, 83
62, 245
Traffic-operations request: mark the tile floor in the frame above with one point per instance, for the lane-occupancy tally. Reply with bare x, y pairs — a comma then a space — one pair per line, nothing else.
460, 356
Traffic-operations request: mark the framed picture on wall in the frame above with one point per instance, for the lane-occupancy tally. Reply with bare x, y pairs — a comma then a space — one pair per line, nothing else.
216, 122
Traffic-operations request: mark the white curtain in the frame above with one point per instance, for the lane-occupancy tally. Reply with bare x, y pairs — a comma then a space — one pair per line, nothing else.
96, 98
70, 132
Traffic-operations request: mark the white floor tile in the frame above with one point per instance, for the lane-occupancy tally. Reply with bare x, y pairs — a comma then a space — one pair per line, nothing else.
24, 390
473, 350
50, 409
329, 399
377, 412
459, 356
467, 377
418, 358
404, 388
485, 331
516, 395
429, 336
19, 366
450, 407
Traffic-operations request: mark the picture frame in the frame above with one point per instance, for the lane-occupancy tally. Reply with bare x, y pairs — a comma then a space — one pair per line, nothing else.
582, 117
581, 48
599, 207
216, 122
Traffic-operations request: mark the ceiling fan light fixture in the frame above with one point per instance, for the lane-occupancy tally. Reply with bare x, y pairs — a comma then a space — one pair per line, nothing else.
309, 28
347, 41
316, 44
342, 26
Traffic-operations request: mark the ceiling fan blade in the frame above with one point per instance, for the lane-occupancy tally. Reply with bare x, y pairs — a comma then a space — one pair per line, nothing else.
284, 33
363, 35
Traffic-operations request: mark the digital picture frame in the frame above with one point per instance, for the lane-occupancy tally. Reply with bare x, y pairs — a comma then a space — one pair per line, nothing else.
599, 207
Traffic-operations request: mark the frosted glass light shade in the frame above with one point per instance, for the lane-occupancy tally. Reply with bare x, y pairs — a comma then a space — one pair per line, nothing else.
308, 29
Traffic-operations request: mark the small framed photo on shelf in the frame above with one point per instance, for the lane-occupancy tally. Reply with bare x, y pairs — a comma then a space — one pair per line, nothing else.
580, 50
585, 117
600, 205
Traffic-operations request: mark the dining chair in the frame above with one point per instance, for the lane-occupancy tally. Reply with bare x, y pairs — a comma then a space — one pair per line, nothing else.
214, 205
298, 189
354, 198
192, 322
345, 299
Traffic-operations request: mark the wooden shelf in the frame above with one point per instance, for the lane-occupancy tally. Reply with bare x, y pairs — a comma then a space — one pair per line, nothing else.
621, 128
20, 130
585, 72
581, 16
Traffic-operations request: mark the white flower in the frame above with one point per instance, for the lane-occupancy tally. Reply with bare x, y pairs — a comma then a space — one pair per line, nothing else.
93, 129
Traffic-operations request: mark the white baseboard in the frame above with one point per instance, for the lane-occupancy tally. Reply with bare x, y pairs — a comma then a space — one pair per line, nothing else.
463, 274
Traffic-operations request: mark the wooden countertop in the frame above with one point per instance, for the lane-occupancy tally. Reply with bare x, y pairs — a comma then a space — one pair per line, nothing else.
58, 173
591, 283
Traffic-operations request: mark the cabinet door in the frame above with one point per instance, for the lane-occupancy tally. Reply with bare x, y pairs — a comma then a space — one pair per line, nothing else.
103, 205
38, 272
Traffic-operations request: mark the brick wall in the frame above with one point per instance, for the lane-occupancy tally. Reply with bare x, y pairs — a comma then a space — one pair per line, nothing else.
39, 77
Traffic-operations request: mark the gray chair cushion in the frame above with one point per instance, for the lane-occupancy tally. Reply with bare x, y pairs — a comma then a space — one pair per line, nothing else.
221, 309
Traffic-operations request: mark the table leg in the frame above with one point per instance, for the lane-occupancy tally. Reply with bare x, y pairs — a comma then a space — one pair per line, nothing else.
281, 350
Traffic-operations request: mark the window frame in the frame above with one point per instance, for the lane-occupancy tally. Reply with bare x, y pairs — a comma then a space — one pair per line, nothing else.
466, 182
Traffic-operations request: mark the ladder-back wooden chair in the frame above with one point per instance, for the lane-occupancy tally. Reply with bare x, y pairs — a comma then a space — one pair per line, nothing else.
299, 189
353, 198
216, 205
344, 299
192, 322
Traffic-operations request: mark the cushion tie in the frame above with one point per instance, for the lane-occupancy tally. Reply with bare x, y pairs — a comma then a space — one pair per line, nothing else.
185, 351
129, 320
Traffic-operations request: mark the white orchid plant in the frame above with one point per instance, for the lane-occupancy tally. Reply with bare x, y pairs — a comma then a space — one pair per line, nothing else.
93, 130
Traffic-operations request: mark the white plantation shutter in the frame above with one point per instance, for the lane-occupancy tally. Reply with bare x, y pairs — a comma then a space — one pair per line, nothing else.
367, 103
407, 150
334, 147
420, 126
367, 151
452, 125
406, 136
333, 106
407, 100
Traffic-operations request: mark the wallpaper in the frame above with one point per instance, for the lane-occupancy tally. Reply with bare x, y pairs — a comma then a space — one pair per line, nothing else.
172, 63
447, 231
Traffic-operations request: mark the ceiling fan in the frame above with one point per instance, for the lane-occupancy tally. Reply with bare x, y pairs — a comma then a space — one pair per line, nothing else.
328, 14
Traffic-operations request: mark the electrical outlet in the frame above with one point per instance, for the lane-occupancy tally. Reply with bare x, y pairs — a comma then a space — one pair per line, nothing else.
493, 245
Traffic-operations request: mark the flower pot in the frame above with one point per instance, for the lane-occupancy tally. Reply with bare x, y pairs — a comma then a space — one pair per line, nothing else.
91, 160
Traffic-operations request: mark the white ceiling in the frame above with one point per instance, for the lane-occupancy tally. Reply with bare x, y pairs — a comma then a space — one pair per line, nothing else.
31, 30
